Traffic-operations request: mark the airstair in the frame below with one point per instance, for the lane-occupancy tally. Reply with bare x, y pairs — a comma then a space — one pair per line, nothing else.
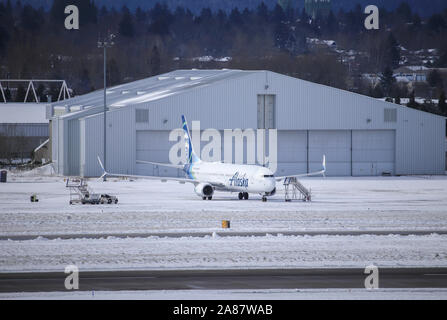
79, 190
294, 190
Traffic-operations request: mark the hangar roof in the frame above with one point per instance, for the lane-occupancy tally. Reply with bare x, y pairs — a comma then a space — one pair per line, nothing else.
155, 88
149, 89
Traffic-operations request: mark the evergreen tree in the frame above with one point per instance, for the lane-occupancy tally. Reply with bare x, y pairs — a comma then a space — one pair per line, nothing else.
126, 27
442, 105
140, 15
442, 61
392, 52
436, 23
84, 82
278, 15
155, 62
235, 17
8, 94
40, 92
4, 38
262, 12
404, 12
387, 81
161, 20
20, 95
331, 24
31, 19
412, 103
434, 79
113, 74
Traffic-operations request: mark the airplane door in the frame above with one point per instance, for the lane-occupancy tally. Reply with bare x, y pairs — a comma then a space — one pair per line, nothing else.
374, 168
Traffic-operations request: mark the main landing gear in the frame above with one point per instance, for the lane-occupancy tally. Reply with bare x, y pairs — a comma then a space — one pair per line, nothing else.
264, 199
243, 195
209, 198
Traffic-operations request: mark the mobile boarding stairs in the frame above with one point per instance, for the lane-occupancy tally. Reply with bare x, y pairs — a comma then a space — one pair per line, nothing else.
294, 190
79, 190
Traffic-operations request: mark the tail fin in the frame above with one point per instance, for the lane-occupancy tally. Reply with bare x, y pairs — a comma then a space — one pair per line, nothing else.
192, 157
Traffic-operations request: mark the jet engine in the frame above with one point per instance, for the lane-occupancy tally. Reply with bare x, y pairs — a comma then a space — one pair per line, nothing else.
204, 190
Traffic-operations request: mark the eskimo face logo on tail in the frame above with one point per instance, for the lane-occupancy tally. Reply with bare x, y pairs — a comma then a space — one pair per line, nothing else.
235, 181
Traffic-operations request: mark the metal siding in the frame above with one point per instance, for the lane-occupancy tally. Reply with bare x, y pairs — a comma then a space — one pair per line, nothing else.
418, 143
120, 142
24, 129
373, 152
55, 142
154, 146
93, 132
336, 146
82, 147
63, 143
74, 156
292, 152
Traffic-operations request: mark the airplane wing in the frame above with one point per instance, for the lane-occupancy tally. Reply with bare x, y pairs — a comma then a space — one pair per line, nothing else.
306, 174
177, 166
163, 179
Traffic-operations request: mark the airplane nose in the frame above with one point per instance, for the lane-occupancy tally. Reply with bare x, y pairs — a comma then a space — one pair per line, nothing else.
273, 184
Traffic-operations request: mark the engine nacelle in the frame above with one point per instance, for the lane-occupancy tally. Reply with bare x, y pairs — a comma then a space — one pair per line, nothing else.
204, 190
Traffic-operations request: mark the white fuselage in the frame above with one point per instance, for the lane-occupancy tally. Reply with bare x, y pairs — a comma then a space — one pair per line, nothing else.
234, 177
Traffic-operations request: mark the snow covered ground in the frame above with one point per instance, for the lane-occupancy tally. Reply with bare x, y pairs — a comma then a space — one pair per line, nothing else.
382, 203
308, 294
223, 252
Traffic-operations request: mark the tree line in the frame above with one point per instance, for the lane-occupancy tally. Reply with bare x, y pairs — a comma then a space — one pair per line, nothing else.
35, 44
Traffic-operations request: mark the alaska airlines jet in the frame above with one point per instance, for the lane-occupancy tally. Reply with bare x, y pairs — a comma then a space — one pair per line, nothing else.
210, 176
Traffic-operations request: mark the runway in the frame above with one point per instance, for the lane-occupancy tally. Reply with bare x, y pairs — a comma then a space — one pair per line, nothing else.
223, 234
225, 279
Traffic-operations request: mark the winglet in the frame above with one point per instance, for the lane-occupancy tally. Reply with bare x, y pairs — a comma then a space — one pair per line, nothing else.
324, 165
103, 169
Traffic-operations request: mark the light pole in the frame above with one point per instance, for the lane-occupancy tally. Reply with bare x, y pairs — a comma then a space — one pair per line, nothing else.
105, 43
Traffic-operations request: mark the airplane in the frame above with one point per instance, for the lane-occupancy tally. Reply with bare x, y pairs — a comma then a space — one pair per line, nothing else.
208, 177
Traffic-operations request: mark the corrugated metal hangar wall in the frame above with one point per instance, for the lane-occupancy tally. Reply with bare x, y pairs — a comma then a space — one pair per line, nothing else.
360, 136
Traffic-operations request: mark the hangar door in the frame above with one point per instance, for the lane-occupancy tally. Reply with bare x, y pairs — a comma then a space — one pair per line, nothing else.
336, 145
292, 152
154, 146
373, 152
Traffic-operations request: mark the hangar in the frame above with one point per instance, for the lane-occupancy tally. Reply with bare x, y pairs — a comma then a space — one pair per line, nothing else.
23, 128
359, 135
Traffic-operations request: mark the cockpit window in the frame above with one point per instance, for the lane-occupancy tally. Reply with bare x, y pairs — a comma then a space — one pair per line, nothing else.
269, 176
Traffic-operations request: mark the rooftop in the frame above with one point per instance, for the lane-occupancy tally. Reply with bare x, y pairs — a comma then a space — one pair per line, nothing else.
149, 89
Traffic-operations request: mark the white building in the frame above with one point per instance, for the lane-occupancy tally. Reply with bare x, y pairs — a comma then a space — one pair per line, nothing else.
360, 136
24, 126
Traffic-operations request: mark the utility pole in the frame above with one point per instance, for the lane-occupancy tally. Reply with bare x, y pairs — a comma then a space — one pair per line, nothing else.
105, 43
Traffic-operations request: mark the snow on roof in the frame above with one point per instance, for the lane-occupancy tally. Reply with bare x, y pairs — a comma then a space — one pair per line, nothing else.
23, 113
150, 89
416, 68
402, 79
